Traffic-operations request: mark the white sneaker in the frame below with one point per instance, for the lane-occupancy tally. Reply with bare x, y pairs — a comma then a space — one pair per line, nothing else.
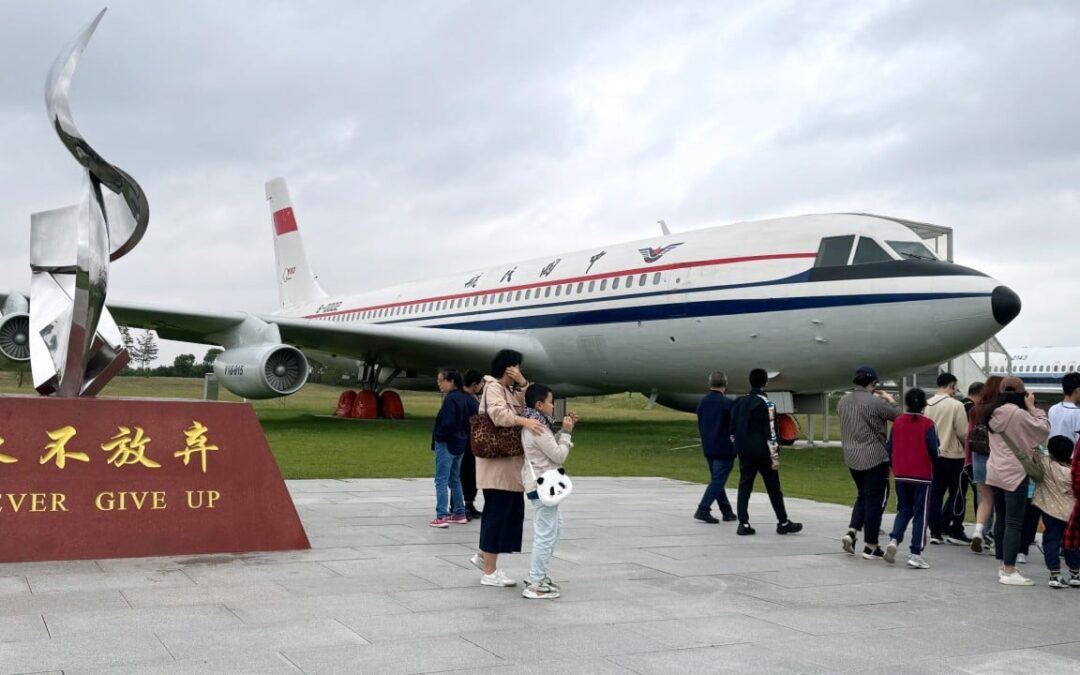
1021, 559
890, 551
497, 578
916, 562
1015, 579
477, 562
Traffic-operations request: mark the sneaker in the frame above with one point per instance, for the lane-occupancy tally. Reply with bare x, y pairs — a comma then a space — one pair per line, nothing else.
916, 562
705, 516
440, 522
873, 554
890, 551
936, 539
1074, 579
459, 520
977, 544
848, 541
958, 539
1057, 582
1021, 559
546, 581
539, 592
496, 578
745, 529
730, 518
1015, 579
477, 561
472, 512
788, 527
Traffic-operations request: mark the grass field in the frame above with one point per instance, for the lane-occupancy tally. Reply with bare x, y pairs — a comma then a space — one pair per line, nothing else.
617, 436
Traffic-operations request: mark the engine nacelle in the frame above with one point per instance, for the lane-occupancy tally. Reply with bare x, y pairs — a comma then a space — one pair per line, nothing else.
15, 336
262, 371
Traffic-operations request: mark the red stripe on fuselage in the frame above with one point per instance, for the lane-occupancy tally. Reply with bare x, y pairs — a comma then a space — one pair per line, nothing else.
284, 221
570, 280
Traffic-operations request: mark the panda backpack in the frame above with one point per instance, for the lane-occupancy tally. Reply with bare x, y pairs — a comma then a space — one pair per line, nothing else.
552, 486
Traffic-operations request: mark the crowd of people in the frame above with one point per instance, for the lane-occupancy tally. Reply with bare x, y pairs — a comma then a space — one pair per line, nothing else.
1023, 465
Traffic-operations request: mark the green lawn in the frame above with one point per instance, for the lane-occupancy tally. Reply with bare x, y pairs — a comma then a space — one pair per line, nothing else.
617, 436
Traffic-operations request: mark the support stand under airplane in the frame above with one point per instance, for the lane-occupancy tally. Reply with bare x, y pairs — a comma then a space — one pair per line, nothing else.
808, 298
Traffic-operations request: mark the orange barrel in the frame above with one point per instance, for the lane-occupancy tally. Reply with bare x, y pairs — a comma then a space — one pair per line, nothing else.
345, 403
391, 406
787, 428
366, 406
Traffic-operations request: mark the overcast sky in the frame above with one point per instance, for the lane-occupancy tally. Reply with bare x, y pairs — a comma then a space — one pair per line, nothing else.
422, 137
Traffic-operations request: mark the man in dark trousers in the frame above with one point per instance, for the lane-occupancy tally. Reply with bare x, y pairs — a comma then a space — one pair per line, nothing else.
754, 427
714, 426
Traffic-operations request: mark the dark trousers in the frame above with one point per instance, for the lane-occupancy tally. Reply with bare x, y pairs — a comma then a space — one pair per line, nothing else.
872, 491
1029, 528
1053, 536
949, 486
911, 501
719, 470
1010, 507
749, 468
468, 476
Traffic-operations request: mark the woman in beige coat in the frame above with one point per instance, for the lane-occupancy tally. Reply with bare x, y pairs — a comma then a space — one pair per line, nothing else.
500, 478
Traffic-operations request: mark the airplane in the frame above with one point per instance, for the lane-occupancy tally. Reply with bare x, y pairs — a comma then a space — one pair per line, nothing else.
808, 298
1041, 368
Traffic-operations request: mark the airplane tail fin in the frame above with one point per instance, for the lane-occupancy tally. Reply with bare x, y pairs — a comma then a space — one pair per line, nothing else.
296, 283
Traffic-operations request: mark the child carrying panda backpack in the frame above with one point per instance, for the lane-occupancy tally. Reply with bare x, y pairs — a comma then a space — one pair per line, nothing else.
544, 452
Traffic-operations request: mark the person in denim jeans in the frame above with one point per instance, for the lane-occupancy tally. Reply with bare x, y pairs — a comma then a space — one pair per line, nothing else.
1054, 499
714, 427
543, 452
449, 440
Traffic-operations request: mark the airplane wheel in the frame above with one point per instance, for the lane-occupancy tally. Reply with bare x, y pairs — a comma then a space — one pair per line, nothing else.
345, 403
366, 406
391, 405
787, 429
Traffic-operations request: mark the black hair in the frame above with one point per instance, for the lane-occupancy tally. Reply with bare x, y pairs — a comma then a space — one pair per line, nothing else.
758, 378
1061, 448
1005, 398
863, 380
975, 388
915, 400
945, 379
535, 394
452, 375
473, 376
1070, 382
506, 358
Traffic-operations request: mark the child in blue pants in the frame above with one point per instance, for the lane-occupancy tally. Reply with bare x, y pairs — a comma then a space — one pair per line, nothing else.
913, 446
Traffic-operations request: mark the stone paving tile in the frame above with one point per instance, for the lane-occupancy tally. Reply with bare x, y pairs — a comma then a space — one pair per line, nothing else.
22, 628
148, 620
201, 594
741, 658
51, 567
600, 666
199, 643
86, 581
268, 663
84, 651
568, 642
431, 655
70, 601
345, 608
239, 572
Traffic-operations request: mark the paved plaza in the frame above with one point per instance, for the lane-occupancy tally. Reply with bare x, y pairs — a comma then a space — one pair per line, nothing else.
646, 589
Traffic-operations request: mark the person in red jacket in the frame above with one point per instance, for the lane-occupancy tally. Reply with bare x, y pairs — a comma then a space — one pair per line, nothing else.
913, 447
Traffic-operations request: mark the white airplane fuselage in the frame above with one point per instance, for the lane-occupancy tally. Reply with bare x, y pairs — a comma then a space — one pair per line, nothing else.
658, 315
1041, 368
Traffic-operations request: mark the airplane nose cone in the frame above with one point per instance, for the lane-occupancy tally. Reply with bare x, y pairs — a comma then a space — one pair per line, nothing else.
1005, 304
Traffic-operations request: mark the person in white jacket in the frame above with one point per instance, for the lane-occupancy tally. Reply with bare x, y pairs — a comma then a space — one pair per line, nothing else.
543, 452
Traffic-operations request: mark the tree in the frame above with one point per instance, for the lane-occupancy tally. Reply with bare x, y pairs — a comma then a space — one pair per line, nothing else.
146, 350
211, 356
184, 365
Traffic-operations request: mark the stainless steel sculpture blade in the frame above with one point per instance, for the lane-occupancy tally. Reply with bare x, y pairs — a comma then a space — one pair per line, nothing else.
75, 345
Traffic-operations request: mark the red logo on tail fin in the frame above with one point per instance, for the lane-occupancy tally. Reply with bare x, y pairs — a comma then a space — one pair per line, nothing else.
284, 221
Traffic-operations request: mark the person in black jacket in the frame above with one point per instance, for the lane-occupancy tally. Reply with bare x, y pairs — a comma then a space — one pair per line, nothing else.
754, 428
474, 384
714, 426
449, 440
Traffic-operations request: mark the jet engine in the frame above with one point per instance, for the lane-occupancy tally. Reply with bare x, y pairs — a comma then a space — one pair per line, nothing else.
15, 336
262, 370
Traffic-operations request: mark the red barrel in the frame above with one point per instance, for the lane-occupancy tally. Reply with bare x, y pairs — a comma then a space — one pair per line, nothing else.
787, 428
391, 406
366, 406
345, 403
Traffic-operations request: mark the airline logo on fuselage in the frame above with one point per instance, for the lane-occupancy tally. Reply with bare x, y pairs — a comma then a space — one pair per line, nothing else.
651, 255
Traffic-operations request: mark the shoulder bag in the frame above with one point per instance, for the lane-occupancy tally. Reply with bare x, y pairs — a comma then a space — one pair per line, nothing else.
1032, 467
552, 486
489, 441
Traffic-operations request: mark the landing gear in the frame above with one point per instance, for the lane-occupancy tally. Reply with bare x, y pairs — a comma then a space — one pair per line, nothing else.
374, 400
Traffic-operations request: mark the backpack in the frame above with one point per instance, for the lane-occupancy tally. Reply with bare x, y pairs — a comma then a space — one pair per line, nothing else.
979, 440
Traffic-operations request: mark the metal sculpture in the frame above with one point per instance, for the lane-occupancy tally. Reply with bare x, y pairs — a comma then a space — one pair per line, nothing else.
75, 345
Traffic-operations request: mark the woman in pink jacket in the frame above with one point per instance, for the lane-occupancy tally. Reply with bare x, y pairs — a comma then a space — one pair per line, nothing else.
1014, 415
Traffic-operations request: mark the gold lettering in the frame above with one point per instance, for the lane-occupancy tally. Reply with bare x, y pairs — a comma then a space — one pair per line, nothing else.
195, 436
57, 449
139, 499
158, 502
129, 448
16, 504
107, 497
192, 505
58, 502
214, 495
6, 459
37, 502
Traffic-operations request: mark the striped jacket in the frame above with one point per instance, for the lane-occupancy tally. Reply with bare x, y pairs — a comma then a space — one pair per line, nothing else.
863, 418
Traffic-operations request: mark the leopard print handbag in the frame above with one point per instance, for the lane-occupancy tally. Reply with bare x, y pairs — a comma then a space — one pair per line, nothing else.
492, 442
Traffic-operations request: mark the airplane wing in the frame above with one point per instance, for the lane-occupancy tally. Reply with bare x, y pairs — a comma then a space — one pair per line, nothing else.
407, 347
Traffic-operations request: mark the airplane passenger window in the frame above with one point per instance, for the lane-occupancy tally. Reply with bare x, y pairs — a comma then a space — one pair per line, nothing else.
629, 282
569, 287
614, 284
603, 284
641, 279
547, 292
528, 292
500, 297
869, 251
475, 300
558, 290
656, 279
834, 251
592, 285
517, 296
483, 300
581, 286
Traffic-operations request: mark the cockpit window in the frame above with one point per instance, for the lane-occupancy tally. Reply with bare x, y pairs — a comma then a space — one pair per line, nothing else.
869, 251
834, 251
912, 249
